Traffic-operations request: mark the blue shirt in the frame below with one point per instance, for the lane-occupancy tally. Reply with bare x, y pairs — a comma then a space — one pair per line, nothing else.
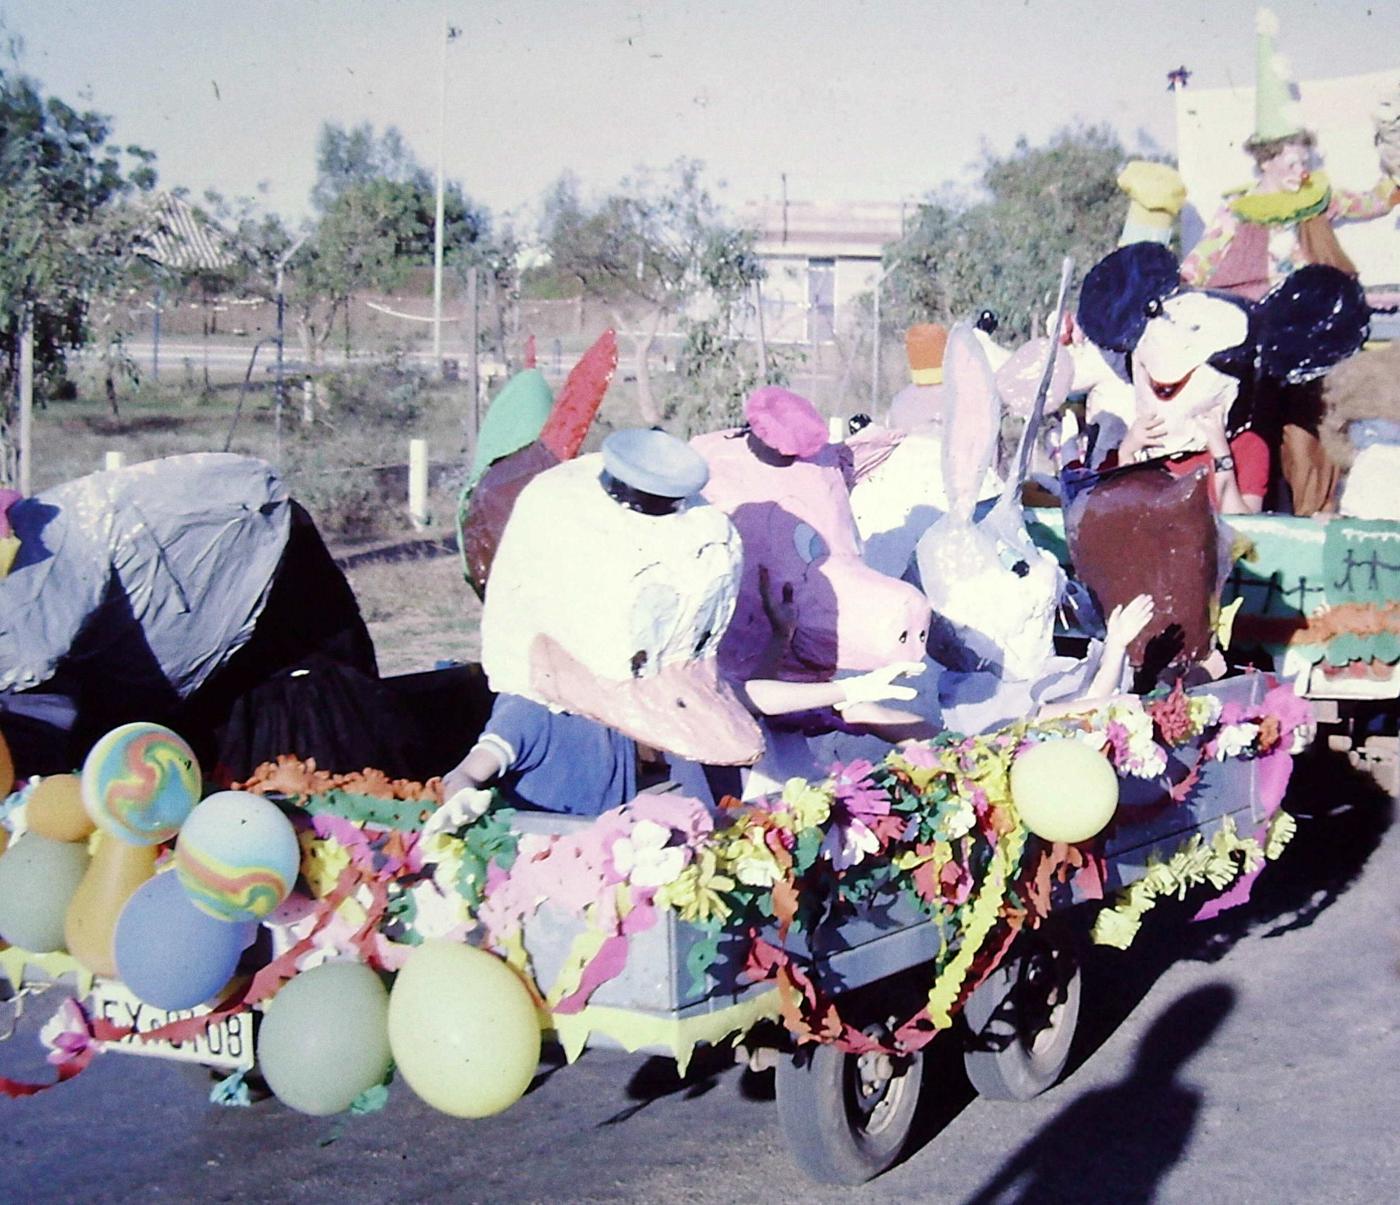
558, 761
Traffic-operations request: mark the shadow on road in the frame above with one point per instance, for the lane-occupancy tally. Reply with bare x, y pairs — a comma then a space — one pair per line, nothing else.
657, 1078
1122, 1139
1342, 817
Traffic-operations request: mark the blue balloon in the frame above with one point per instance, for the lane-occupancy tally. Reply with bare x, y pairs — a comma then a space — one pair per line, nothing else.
169, 953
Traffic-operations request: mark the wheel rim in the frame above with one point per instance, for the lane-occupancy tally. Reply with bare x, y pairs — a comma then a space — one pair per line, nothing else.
1041, 1000
876, 1084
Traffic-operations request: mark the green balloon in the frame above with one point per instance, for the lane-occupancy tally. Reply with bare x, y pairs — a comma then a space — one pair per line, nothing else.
37, 880
325, 1038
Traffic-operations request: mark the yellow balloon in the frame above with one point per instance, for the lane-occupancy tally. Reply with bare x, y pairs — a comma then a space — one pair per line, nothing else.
7, 768
117, 869
463, 1029
1064, 790
55, 809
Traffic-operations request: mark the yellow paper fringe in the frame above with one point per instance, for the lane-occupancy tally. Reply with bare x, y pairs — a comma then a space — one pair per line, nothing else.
678, 1036
584, 949
14, 961
1218, 862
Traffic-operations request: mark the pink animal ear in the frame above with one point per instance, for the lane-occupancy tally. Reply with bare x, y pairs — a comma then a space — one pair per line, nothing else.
973, 419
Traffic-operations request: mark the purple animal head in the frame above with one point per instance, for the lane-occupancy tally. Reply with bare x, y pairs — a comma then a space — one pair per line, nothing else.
794, 517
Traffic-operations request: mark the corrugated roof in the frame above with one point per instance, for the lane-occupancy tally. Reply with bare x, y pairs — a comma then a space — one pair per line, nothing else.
179, 238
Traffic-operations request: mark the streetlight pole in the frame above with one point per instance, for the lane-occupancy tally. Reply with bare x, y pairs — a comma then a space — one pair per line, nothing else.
448, 34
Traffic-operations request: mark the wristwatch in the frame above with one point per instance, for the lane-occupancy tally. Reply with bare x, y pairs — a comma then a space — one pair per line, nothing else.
1222, 463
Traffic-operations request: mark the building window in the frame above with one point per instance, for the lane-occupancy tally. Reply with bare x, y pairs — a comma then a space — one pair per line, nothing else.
821, 300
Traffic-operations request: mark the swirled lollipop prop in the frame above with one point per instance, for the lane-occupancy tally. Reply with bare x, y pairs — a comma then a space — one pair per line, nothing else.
138, 784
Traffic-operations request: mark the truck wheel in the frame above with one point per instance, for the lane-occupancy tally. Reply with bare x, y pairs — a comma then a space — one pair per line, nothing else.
1020, 1021
847, 1117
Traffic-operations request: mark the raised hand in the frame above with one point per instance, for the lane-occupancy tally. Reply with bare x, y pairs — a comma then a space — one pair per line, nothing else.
1127, 621
878, 686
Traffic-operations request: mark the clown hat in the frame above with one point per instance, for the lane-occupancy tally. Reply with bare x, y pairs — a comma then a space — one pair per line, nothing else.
1275, 104
924, 344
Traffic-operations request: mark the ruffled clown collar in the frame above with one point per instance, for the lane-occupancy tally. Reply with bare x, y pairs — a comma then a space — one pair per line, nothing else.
1284, 208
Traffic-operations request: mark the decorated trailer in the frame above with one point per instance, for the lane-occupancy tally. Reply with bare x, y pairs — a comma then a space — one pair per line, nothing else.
1317, 600
832, 929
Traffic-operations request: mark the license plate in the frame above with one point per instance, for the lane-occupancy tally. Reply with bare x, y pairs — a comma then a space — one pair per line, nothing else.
227, 1043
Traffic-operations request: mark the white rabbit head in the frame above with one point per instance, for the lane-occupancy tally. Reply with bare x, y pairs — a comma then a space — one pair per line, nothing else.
985, 579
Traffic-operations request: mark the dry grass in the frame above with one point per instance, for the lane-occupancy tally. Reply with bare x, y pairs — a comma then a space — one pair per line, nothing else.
419, 612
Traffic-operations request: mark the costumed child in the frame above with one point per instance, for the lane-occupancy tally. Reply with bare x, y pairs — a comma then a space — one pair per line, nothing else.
816, 627
1281, 223
611, 587
1188, 352
608, 598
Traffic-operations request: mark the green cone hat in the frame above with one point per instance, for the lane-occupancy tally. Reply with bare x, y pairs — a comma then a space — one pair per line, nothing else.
1275, 110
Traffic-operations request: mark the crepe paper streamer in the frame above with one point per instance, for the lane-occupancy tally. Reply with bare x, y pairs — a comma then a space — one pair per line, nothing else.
579, 398
701, 957
677, 1036
404, 815
1282, 829
378, 852
16, 1089
981, 915
371, 1100
607, 963
140, 782
299, 781
68, 1035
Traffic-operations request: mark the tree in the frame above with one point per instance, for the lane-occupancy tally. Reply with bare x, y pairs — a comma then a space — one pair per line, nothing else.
66, 239
654, 248
376, 210
716, 369
1002, 250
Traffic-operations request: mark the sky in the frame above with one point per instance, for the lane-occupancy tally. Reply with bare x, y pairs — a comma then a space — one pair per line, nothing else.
848, 99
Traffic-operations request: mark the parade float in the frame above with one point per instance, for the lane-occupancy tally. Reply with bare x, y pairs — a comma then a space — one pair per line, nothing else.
310, 930
842, 860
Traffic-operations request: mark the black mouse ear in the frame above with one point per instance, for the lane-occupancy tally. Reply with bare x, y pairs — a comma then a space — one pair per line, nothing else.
1118, 289
1316, 318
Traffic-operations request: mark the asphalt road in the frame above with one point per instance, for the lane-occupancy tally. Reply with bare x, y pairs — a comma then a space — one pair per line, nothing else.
1252, 1059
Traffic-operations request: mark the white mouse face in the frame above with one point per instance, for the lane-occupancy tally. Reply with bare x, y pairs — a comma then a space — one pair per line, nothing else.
1171, 376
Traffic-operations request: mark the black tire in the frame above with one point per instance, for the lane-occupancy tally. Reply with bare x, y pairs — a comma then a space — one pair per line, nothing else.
847, 1117
1020, 1021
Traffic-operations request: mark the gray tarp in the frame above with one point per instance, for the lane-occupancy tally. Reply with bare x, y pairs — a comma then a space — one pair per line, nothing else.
165, 564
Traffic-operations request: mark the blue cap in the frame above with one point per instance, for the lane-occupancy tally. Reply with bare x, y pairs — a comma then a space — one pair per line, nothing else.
655, 463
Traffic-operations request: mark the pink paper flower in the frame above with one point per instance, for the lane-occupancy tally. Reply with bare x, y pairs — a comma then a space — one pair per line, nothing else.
68, 1036
856, 803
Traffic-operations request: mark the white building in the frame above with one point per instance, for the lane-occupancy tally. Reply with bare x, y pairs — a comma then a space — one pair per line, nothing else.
820, 257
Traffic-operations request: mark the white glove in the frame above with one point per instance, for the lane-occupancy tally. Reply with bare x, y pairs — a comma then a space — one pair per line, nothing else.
877, 686
467, 805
